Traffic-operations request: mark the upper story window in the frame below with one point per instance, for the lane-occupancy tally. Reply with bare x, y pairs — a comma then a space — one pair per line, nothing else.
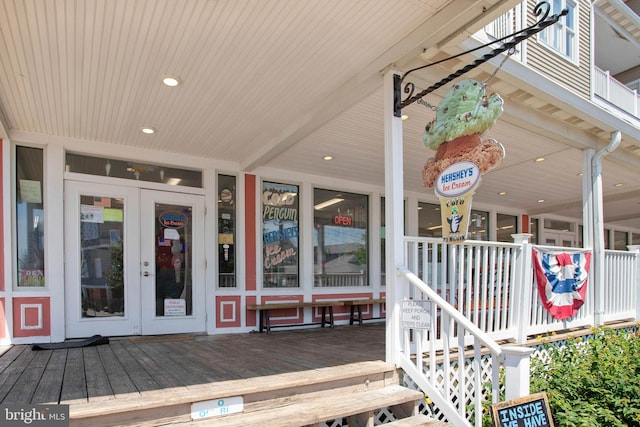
562, 36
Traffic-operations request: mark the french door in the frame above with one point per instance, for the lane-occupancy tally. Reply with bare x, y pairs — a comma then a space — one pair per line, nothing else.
134, 261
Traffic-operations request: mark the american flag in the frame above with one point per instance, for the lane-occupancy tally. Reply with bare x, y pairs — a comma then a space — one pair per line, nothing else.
561, 277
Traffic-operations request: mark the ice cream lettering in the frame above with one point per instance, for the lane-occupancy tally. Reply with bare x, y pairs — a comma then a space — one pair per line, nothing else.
464, 114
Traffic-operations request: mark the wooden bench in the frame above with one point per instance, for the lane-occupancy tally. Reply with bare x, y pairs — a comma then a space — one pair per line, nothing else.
264, 311
356, 304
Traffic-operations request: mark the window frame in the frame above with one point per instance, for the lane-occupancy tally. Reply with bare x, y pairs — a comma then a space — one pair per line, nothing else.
232, 251
15, 195
558, 45
338, 194
289, 251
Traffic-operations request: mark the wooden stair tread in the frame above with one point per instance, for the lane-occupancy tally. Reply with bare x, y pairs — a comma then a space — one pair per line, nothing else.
417, 421
309, 411
242, 387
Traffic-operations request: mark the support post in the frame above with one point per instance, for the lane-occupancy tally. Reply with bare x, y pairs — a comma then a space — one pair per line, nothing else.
598, 228
517, 363
394, 214
522, 292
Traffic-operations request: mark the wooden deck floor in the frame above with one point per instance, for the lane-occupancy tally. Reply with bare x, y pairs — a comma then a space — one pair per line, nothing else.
133, 365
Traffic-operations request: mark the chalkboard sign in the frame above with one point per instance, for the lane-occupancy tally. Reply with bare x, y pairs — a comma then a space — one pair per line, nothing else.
528, 411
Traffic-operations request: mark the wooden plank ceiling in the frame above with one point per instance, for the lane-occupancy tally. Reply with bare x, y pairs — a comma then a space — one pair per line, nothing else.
265, 84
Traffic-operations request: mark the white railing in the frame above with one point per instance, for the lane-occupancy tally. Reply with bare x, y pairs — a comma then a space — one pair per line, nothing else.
456, 349
508, 23
340, 279
621, 284
614, 92
480, 292
491, 283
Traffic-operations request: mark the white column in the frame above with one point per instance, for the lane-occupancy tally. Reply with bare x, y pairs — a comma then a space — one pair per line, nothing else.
587, 199
517, 363
598, 227
522, 291
394, 217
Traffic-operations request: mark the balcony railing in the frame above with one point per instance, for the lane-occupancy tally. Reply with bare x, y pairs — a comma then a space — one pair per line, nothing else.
609, 89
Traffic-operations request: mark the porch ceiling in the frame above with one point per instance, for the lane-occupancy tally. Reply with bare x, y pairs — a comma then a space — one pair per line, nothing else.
279, 84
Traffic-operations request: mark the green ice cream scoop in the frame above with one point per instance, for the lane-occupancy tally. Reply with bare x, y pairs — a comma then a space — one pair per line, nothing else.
464, 110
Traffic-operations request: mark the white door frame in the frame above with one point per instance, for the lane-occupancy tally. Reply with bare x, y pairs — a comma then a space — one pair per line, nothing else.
151, 323
75, 324
137, 318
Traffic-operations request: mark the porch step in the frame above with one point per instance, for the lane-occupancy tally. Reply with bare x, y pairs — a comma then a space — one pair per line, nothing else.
417, 421
353, 391
311, 409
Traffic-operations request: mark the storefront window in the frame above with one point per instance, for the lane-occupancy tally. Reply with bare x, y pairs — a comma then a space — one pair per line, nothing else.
479, 225
635, 239
280, 207
226, 231
30, 217
127, 169
534, 230
620, 240
340, 239
507, 225
429, 220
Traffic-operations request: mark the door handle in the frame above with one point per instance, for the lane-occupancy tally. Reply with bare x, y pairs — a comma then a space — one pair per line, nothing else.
147, 274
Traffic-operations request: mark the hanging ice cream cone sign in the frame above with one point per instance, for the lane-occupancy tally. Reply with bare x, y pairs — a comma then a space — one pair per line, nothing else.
455, 187
462, 156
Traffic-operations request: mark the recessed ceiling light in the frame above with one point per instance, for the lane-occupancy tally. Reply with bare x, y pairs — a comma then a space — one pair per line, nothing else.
148, 130
327, 158
579, 174
405, 117
619, 184
541, 201
502, 193
171, 81
540, 159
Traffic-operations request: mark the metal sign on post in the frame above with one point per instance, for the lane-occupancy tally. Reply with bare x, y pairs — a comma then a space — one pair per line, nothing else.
416, 314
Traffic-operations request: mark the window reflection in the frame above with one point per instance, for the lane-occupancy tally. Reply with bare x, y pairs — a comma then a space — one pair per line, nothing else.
506, 226
226, 231
280, 208
340, 238
29, 217
479, 225
132, 170
429, 220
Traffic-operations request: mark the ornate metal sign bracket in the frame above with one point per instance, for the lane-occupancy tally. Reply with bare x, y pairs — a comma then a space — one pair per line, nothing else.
541, 10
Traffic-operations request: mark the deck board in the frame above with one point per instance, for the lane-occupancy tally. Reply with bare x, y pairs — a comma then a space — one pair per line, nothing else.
98, 386
120, 384
12, 373
26, 385
147, 372
48, 390
74, 382
134, 366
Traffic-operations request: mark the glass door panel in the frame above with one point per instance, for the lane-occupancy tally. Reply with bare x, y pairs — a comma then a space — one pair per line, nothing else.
173, 238
102, 260
172, 255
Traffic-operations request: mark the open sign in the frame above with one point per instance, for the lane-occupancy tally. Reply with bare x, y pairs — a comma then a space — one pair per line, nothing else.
343, 220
